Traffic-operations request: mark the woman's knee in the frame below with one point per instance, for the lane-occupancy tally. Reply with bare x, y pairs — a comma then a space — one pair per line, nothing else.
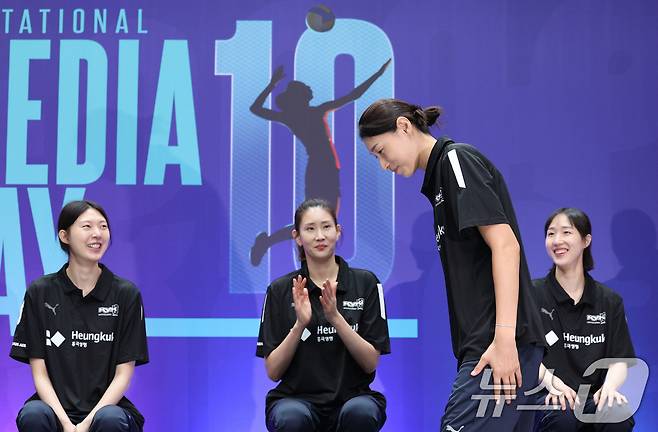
361, 413
290, 415
36, 416
110, 418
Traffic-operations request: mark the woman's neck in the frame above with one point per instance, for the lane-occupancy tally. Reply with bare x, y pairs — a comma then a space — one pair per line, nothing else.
426, 144
572, 280
84, 275
320, 271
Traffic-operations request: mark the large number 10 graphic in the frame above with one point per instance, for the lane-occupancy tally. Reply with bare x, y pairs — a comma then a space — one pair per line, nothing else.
246, 58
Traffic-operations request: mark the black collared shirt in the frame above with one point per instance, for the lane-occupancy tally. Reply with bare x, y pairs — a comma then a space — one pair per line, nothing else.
580, 334
322, 370
82, 339
466, 191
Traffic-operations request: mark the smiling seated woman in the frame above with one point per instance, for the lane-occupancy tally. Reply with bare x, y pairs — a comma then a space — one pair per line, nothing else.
93, 322
322, 330
585, 322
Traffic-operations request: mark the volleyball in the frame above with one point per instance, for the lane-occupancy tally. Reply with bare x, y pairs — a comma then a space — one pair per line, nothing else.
320, 18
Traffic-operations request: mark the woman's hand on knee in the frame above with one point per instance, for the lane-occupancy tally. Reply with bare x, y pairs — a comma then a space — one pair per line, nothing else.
609, 395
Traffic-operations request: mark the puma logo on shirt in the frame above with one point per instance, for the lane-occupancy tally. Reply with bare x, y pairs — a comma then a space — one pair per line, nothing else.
550, 314
52, 308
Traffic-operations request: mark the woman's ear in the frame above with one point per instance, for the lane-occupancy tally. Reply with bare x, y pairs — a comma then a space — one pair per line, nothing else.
403, 124
588, 240
295, 236
63, 236
339, 229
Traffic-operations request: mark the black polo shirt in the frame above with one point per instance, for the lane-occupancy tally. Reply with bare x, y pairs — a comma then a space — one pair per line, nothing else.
82, 339
322, 370
466, 191
580, 334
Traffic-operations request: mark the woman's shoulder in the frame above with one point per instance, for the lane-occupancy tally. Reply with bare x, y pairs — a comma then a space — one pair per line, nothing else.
466, 153
125, 288
607, 294
284, 282
462, 148
540, 290
123, 283
362, 281
38, 286
364, 274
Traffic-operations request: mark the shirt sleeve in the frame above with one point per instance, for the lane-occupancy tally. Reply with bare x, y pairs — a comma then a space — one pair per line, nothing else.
271, 332
619, 341
29, 337
471, 190
373, 326
132, 336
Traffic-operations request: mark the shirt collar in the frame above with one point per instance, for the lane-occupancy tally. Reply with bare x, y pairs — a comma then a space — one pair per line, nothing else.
101, 289
589, 295
343, 270
435, 154
561, 295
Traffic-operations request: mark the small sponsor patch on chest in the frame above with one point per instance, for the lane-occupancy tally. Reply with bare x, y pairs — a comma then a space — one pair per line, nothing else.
596, 319
105, 311
353, 304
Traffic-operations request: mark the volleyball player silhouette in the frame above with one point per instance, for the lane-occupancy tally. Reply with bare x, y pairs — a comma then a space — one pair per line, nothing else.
309, 124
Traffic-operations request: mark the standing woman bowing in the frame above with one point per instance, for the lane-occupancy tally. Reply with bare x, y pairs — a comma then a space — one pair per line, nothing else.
493, 318
93, 323
323, 328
